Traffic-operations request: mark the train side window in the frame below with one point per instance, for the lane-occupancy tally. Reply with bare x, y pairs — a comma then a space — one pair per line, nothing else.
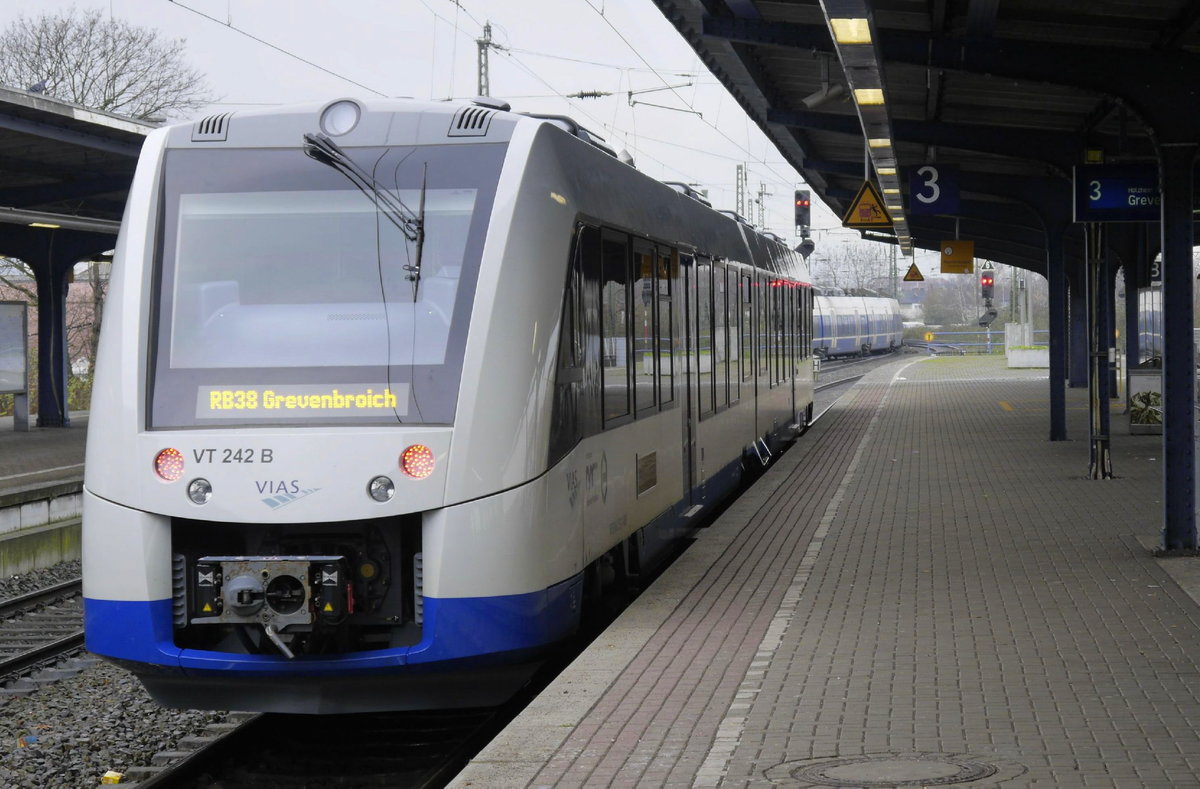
570, 339
567, 422
804, 325
797, 332
775, 344
786, 322
665, 273
762, 285
644, 331
614, 325
704, 335
733, 339
747, 348
808, 322
789, 298
785, 332
780, 296
720, 337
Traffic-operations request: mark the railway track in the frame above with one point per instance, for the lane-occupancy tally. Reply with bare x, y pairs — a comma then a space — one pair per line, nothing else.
414, 749
39, 628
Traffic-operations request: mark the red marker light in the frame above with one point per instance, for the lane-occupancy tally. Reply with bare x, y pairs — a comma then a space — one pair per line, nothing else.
168, 464
417, 461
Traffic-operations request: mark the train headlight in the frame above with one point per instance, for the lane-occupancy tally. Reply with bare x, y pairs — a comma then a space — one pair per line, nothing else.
340, 118
381, 489
168, 464
199, 490
417, 461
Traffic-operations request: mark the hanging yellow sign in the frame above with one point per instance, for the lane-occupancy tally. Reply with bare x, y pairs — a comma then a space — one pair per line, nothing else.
867, 211
914, 274
958, 257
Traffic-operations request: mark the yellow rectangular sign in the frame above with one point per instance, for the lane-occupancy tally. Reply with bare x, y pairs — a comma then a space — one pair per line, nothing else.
958, 257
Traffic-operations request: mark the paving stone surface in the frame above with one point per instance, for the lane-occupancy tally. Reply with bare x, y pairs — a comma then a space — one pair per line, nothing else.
923, 585
43, 455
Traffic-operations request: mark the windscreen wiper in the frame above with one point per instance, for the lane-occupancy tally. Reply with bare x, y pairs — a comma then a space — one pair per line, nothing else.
411, 224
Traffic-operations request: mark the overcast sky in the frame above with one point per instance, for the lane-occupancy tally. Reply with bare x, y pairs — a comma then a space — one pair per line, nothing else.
258, 53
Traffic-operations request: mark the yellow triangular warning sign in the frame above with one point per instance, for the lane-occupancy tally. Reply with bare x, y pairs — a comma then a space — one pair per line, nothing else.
867, 212
914, 274
328, 607
207, 608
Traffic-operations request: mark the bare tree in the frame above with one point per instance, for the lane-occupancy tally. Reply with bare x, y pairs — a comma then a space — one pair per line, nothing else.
16, 277
861, 265
869, 266
105, 64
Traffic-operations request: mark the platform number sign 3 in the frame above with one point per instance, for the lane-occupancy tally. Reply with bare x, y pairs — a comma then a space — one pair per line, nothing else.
929, 191
933, 189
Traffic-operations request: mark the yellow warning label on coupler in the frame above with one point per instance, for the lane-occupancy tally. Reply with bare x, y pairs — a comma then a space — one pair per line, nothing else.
207, 608
328, 607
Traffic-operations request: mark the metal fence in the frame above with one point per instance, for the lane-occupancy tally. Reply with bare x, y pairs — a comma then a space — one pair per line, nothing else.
983, 341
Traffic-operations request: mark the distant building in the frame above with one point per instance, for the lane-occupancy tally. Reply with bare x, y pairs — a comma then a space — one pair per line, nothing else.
912, 302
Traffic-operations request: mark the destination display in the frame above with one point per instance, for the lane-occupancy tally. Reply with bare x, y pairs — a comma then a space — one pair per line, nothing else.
301, 401
1117, 193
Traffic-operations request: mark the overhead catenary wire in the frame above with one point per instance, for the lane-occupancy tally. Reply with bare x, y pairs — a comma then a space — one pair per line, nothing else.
775, 177
275, 47
632, 48
627, 137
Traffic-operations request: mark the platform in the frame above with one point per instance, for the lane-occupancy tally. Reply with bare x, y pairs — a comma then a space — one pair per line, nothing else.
923, 591
42, 454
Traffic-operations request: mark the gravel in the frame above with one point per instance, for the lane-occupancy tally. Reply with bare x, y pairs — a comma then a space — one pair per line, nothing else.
17, 585
100, 720
68, 733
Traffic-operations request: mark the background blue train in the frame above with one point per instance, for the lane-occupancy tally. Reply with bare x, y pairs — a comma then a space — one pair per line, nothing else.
855, 325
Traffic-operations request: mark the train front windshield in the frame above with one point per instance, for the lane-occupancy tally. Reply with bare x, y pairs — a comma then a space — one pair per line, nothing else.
287, 294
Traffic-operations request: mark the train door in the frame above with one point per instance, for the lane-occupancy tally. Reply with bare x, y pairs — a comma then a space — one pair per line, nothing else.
687, 269
793, 299
746, 362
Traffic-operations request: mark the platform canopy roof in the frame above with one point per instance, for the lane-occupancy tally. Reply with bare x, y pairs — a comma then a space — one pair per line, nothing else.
64, 166
1005, 98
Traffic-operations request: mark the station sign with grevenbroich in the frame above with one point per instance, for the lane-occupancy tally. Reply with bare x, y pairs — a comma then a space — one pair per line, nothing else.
1117, 193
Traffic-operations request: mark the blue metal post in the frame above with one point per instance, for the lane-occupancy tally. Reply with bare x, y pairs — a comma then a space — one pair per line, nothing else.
52, 284
1100, 466
1057, 277
1179, 397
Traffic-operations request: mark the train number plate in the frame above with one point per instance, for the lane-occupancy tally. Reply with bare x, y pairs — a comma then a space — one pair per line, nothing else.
230, 455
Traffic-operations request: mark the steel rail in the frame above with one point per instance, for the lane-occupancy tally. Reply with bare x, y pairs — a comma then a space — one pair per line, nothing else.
48, 652
40, 597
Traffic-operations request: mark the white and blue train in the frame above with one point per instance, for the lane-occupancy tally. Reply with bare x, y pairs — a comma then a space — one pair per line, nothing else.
388, 390
855, 325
